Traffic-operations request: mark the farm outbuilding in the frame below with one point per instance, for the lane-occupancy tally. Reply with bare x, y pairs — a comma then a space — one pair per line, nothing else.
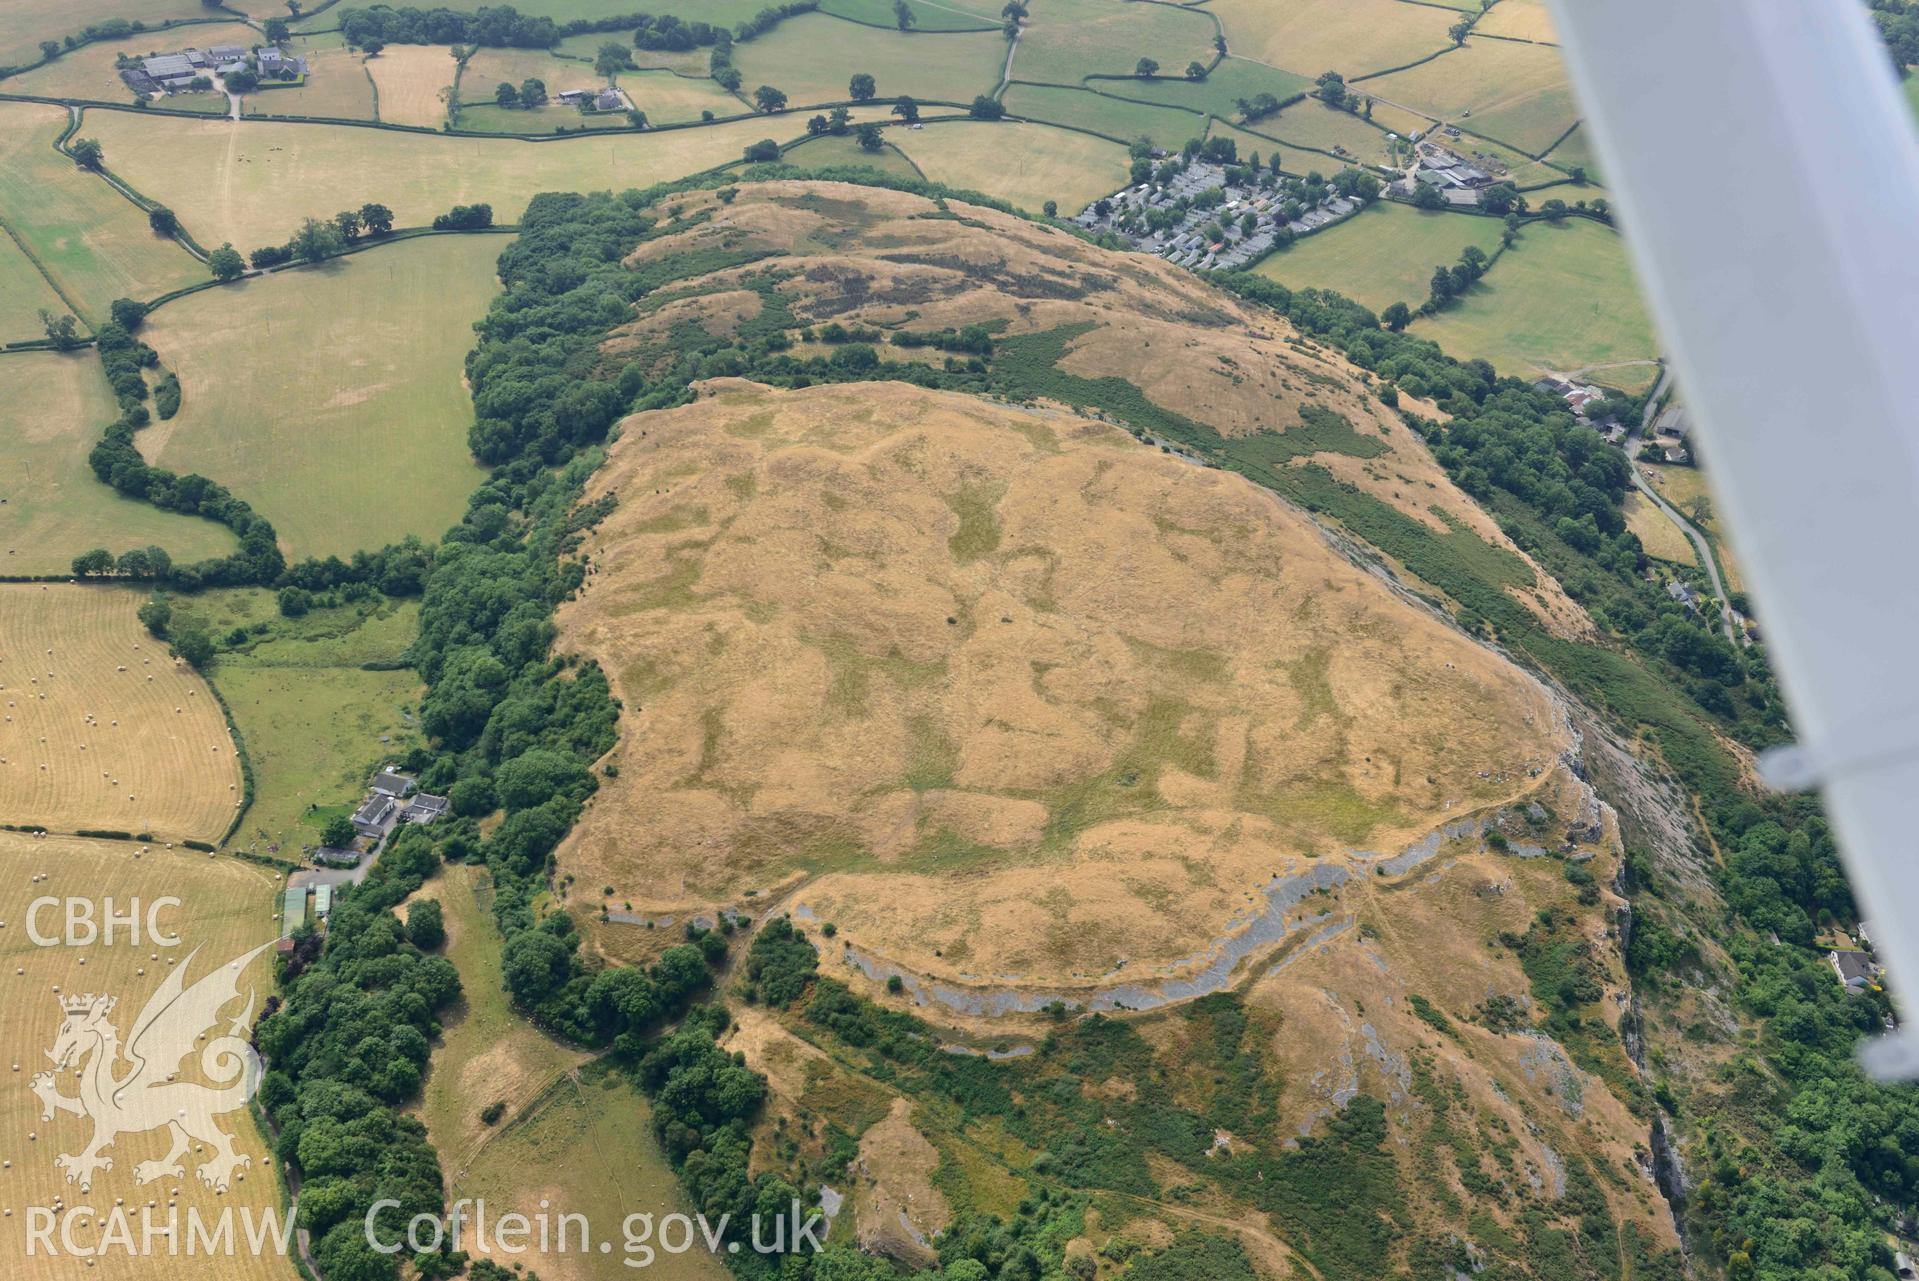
294, 913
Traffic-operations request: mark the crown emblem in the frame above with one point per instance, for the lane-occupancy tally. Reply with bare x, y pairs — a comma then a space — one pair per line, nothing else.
82, 1004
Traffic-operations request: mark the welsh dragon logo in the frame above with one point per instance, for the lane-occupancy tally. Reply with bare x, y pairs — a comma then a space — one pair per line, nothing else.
148, 1096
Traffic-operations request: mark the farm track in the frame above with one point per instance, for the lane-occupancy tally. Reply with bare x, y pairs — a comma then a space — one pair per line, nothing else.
1728, 617
103, 731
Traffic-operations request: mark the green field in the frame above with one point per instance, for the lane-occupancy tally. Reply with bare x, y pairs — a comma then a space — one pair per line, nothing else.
254, 184
1068, 40
1383, 255
928, 15
1219, 93
1084, 109
24, 294
52, 508
28, 22
822, 153
331, 398
811, 58
1024, 164
1562, 298
1577, 150
93, 241
588, 1146
1516, 93
311, 718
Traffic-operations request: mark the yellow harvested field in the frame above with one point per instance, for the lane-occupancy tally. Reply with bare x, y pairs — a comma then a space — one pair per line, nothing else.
103, 730
28, 22
52, 407
337, 87
1352, 37
222, 913
414, 83
89, 71
1657, 533
1521, 20
252, 183
1515, 93
1024, 164
1020, 695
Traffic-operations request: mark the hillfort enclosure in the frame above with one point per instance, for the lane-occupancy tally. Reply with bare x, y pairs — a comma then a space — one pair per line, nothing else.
1068, 640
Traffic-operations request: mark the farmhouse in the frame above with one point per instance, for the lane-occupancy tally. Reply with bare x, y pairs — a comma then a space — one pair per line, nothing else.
424, 808
1855, 969
375, 816
389, 782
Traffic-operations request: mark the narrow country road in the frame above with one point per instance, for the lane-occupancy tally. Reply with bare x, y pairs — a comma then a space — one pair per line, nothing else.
1728, 617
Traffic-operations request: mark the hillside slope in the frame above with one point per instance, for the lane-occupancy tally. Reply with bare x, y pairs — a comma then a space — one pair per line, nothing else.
1018, 715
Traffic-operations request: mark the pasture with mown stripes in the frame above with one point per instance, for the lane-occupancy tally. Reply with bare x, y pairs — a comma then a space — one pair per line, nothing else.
103, 730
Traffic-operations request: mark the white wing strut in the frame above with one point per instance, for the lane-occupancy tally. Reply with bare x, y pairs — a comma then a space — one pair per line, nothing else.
1766, 170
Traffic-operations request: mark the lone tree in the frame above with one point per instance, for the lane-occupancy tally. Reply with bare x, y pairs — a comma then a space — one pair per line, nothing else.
903, 15
1397, 316
839, 121
277, 31
162, 220
506, 95
226, 263
194, 648
765, 151
127, 313
1146, 67
338, 833
1332, 89
985, 108
768, 99
613, 59
861, 88
1195, 71
906, 109
532, 91
870, 139
63, 331
1459, 31
87, 153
